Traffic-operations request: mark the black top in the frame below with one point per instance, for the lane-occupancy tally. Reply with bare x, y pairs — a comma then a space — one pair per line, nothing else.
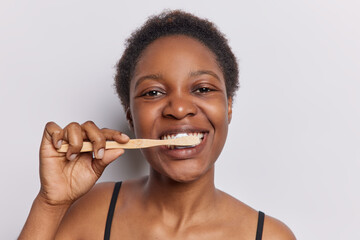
260, 225
114, 197
111, 210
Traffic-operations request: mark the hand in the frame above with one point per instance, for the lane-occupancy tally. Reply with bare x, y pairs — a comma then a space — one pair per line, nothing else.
67, 176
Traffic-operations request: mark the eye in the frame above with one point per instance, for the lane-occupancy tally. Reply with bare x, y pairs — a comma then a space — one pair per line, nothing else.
202, 90
152, 93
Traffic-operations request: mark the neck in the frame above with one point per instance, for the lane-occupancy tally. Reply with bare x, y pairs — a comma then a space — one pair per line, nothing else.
181, 202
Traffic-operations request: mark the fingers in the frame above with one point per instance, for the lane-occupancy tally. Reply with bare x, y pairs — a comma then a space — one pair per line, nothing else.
54, 134
73, 134
97, 138
113, 135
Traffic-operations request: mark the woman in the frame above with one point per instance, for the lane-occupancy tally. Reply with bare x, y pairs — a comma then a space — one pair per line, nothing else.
177, 76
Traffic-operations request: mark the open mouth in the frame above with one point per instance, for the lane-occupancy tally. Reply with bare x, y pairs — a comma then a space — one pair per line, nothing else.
200, 135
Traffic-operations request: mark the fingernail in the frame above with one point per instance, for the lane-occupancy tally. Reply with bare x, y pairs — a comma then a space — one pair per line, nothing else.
58, 144
124, 136
72, 156
100, 153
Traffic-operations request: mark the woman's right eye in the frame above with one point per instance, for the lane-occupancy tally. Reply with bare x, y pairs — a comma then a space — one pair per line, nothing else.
152, 93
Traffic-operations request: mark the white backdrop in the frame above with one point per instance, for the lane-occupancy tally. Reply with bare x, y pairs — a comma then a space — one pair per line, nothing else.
293, 146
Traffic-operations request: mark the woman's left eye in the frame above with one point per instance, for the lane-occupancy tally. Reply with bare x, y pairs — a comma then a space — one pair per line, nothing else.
152, 93
203, 90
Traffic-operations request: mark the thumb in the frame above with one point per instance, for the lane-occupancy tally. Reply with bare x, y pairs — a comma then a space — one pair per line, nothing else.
110, 155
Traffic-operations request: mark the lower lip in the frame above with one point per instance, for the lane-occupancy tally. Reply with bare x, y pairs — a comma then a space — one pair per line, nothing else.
185, 153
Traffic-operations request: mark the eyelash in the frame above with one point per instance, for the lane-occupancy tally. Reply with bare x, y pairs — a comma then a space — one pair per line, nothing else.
203, 90
157, 93
152, 93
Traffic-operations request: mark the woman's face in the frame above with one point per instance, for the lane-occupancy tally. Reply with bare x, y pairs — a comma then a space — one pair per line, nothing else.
178, 88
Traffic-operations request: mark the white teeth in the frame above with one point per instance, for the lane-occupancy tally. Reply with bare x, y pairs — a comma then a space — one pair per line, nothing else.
178, 135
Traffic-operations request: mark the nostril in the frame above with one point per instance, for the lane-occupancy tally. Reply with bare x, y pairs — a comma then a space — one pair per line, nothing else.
180, 108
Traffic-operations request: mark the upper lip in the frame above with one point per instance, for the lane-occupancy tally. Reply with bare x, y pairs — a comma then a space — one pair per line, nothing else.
182, 129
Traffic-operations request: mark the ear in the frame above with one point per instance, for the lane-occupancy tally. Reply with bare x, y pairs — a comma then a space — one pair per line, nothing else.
229, 109
129, 118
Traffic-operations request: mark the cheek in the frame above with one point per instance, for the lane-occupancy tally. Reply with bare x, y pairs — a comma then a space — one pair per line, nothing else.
217, 112
144, 116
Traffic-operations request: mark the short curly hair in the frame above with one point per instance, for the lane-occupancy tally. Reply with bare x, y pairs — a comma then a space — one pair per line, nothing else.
175, 23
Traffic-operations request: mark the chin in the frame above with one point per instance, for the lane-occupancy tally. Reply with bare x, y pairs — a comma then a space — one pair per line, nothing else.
185, 178
186, 175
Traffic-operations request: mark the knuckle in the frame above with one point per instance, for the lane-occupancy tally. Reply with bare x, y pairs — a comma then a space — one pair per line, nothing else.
75, 146
56, 133
100, 139
73, 125
88, 123
49, 124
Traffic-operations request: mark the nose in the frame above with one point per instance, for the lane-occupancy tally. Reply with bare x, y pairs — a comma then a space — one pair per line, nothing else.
179, 107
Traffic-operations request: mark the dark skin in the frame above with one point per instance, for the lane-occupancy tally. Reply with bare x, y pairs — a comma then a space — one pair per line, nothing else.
177, 87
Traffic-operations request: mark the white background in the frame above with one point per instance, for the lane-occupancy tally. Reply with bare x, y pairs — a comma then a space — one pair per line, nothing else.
293, 145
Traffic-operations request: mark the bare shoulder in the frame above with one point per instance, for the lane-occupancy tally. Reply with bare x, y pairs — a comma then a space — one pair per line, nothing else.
88, 214
274, 229
247, 220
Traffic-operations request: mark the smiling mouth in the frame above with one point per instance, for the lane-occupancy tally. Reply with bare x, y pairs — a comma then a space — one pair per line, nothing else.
200, 135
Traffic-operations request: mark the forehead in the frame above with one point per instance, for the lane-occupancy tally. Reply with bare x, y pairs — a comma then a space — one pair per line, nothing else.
176, 54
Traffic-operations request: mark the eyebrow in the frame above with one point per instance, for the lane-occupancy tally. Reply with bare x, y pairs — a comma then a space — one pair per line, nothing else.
202, 72
150, 76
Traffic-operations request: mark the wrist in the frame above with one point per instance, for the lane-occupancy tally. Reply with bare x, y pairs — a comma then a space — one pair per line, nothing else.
50, 205
44, 219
